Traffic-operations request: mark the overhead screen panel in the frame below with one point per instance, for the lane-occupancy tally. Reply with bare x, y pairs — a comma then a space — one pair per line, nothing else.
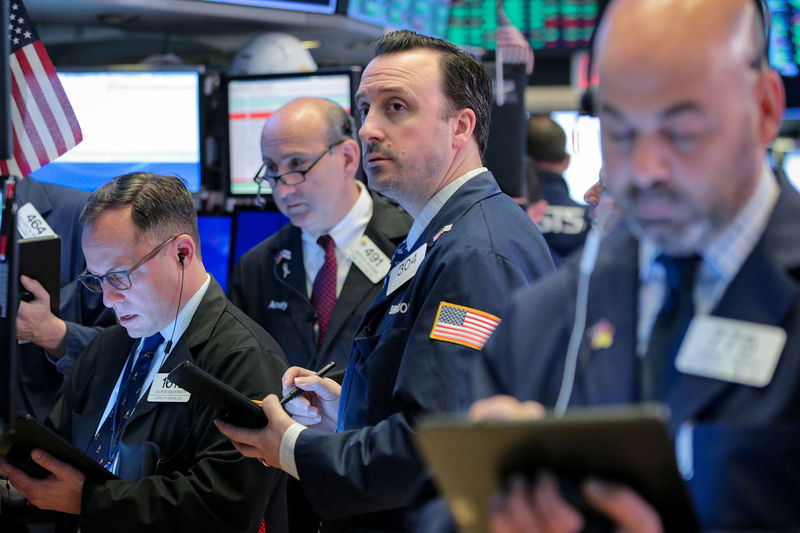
132, 121
428, 17
785, 50
546, 24
252, 100
313, 6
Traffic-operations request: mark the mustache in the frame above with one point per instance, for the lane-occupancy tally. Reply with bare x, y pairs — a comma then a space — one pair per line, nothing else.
658, 192
377, 149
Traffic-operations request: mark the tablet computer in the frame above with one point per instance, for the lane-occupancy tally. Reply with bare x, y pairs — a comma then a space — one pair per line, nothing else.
40, 259
232, 406
27, 433
471, 461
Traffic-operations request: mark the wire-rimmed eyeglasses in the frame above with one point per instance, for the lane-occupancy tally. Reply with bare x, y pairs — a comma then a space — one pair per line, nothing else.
292, 177
120, 279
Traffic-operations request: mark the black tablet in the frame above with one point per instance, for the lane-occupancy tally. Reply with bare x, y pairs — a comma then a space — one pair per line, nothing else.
40, 259
232, 406
631, 445
27, 433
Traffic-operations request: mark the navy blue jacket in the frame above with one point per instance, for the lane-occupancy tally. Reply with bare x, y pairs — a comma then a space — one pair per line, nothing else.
369, 477
40, 381
745, 440
565, 223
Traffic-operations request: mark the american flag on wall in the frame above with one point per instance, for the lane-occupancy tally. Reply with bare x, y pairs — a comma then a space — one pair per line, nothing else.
512, 48
463, 325
43, 122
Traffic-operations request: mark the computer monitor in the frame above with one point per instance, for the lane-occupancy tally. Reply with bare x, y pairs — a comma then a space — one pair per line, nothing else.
132, 121
216, 235
252, 99
251, 226
428, 17
784, 50
583, 146
791, 165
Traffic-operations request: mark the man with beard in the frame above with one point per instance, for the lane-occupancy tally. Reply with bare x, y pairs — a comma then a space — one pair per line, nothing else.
425, 111
688, 104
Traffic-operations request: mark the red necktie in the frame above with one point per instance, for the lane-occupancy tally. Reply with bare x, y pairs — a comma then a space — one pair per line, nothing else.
323, 295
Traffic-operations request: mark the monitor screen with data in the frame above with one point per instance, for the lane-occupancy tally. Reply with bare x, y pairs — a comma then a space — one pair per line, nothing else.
583, 146
132, 121
251, 101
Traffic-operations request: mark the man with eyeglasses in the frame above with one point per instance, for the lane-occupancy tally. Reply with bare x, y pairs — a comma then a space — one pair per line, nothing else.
425, 108
310, 164
177, 472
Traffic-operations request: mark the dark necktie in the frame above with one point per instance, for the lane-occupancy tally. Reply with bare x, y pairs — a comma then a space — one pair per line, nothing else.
323, 295
658, 366
103, 446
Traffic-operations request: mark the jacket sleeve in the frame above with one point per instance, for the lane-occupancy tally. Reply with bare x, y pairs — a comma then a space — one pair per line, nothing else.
203, 484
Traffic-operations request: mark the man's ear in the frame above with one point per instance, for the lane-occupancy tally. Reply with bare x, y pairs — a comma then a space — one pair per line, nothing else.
463, 127
352, 156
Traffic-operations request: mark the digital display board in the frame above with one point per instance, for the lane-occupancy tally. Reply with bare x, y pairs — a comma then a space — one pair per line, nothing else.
428, 17
784, 50
546, 24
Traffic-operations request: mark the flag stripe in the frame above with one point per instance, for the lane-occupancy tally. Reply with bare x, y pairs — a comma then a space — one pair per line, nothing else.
57, 97
463, 325
52, 141
25, 133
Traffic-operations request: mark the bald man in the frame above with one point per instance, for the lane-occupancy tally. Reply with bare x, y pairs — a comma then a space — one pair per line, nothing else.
688, 104
310, 148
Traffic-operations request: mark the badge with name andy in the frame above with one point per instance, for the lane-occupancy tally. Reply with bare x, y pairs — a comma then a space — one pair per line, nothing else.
369, 259
731, 350
406, 270
163, 390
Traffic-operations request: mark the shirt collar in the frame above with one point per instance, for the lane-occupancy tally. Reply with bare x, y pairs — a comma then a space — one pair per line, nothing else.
434, 205
726, 253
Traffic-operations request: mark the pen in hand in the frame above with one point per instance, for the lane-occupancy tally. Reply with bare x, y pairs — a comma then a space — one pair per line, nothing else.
295, 392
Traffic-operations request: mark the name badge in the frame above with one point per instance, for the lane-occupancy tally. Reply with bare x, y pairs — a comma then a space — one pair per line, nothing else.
31, 224
731, 350
369, 259
163, 390
406, 270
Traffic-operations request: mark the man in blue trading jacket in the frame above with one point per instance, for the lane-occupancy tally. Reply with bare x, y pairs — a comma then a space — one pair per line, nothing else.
310, 145
178, 473
688, 104
54, 342
564, 224
425, 107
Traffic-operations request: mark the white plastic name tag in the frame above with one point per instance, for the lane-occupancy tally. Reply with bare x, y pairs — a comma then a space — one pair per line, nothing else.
731, 350
31, 224
406, 270
163, 390
369, 259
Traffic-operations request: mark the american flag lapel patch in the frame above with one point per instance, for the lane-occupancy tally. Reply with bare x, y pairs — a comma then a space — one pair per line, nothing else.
463, 325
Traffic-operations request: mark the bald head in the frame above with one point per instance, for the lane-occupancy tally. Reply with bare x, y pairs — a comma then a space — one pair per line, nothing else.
310, 144
687, 109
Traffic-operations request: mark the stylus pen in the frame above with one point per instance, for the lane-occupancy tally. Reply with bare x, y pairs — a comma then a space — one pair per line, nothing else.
295, 392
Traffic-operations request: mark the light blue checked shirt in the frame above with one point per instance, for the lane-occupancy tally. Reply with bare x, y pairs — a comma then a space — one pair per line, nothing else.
721, 260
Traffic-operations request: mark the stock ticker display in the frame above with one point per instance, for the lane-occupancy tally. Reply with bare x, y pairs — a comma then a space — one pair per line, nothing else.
785, 38
546, 24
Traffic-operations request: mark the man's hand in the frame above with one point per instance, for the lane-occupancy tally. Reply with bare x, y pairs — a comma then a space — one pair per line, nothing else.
60, 491
262, 444
318, 407
35, 322
540, 509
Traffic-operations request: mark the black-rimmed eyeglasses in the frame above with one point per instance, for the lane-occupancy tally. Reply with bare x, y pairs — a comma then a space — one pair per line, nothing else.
120, 279
293, 177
